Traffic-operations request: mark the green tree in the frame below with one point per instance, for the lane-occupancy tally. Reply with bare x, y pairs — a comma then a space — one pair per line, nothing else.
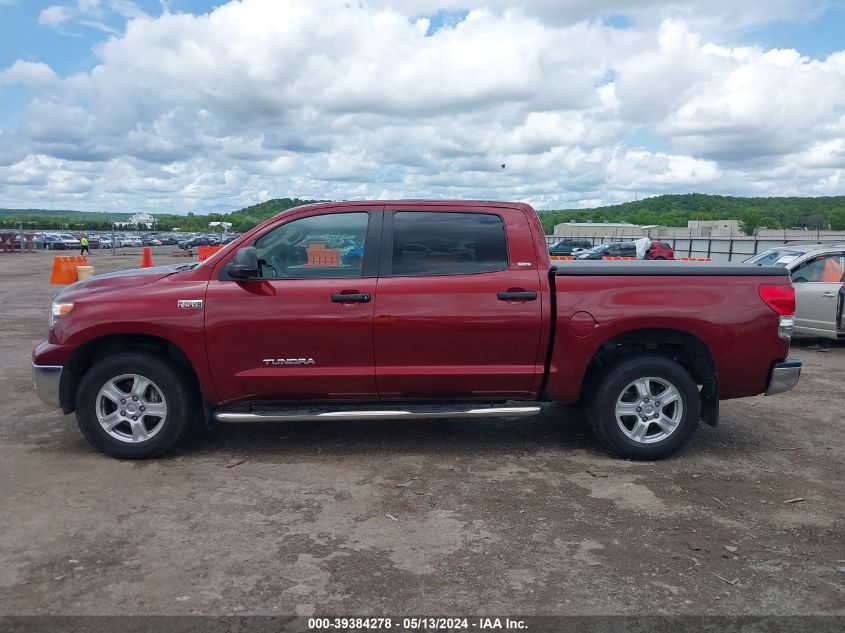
769, 222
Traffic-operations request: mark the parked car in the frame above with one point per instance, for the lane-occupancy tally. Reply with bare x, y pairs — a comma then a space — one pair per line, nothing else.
614, 249
200, 240
151, 241
53, 242
69, 241
128, 241
254, 334
660, 250
818, 275
567, 247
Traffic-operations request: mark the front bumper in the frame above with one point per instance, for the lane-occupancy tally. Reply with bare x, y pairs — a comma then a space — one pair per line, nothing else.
784, 376
46, 379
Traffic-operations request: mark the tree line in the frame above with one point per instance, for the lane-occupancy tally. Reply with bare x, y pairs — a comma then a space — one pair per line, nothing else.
823, 213
65, 220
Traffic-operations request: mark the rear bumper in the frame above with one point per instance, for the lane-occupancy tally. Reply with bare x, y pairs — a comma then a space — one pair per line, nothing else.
46, 379
784, 376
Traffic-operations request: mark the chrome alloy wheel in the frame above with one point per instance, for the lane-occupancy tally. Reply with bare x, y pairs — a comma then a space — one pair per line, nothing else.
649, 410
131, 408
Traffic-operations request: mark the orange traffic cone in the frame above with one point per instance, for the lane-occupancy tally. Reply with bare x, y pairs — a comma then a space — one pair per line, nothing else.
147, 258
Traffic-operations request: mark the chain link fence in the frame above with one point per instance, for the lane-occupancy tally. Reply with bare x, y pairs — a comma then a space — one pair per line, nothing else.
719, 249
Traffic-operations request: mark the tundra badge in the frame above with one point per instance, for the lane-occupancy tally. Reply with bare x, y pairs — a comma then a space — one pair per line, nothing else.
289, 361
189, 304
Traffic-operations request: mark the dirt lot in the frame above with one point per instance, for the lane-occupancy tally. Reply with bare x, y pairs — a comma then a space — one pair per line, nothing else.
504, 516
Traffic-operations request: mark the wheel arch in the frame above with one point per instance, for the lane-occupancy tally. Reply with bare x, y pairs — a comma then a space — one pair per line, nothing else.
87, 354
684, 348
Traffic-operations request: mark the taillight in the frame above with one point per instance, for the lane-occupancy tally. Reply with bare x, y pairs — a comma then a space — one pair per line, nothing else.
781, 299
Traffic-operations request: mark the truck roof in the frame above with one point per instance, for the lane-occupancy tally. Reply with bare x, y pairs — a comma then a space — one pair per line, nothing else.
412, 203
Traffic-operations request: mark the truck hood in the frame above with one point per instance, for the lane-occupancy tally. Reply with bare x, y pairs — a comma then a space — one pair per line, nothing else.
133, 277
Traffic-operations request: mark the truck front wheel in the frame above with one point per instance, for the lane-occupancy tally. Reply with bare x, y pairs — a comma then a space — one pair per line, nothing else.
133, 405
645, 407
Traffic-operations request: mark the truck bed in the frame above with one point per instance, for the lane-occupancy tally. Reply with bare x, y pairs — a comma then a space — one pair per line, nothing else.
666, 269
614, 306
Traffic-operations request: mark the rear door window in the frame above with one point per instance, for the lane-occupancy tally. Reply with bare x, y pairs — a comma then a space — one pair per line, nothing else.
447, 243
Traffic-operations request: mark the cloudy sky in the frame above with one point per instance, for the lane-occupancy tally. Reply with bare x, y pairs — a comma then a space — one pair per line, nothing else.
200, 105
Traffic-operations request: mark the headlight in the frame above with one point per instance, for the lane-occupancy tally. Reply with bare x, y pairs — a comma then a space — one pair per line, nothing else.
59, 310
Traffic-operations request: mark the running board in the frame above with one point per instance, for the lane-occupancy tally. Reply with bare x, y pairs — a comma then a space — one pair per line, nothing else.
430, 413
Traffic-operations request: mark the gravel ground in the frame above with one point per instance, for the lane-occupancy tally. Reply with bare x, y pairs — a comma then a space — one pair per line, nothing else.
504, 516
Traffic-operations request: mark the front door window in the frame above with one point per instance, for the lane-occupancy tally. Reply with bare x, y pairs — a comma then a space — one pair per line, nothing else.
321, 246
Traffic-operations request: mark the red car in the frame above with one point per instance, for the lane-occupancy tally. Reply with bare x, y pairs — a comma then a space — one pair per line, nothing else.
452, 310
660, 250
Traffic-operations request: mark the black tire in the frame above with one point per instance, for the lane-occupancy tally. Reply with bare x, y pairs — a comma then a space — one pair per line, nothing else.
656, 258
611, 386
176, 391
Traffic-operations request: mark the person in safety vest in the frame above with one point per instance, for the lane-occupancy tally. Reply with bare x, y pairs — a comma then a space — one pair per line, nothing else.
83, 245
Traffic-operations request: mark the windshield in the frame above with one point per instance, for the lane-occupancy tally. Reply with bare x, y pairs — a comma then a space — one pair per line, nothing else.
774, 257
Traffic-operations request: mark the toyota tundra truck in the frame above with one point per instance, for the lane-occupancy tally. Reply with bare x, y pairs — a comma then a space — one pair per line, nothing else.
412, 309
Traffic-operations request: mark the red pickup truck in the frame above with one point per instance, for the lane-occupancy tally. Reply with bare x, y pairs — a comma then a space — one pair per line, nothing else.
412, 309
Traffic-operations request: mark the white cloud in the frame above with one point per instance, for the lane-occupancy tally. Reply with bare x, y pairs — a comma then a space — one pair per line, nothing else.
33, 75
90, 13
331, 99
54, 16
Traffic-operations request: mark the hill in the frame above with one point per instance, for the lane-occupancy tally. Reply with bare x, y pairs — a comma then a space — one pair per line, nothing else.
827, 213
241, 220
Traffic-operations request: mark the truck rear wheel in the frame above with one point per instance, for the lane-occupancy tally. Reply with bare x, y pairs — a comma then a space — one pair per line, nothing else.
133, 405
645, 407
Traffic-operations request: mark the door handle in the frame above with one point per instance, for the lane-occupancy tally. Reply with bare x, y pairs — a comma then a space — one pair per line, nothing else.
352, 297
516, 295
828, 294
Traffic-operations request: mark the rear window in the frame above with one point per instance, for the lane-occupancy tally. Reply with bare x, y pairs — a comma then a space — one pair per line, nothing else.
448, 243
777, 257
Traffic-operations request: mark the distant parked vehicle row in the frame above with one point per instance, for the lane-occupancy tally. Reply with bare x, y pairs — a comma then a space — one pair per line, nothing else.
54, 241
583, 250
207, 240
614, 249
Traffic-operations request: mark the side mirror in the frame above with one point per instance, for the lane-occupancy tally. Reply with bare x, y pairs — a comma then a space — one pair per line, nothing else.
244, 264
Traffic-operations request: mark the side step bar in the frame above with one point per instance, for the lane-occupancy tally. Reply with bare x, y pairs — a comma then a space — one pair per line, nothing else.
411, 413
